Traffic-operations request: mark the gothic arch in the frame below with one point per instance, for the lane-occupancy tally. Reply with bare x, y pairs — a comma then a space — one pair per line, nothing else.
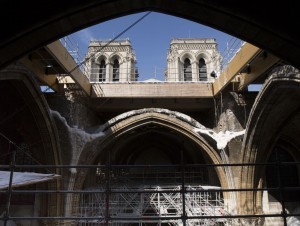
187, 54
39, 108
273, 104
116, 56
101, 56
32, 123
121, 125
117, 127
288, 145
283, 151
206, 56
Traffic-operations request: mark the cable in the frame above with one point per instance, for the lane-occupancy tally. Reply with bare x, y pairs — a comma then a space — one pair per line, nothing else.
125, 30
49, 87
111, 40
121, 33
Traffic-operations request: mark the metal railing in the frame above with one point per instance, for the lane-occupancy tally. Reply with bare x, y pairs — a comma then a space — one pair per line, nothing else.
96, 77
172, 194
228, 53
233, 46
72, 47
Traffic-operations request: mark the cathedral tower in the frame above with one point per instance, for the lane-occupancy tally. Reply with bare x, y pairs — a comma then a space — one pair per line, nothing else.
193, 60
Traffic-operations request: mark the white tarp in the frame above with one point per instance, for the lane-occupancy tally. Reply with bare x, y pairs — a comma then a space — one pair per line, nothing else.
24, 178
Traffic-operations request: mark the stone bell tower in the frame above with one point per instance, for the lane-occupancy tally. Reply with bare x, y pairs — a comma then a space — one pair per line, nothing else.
111, 61
193, 60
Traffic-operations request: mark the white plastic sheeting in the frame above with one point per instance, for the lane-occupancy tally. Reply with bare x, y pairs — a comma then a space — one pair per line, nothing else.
24, 178
221, 138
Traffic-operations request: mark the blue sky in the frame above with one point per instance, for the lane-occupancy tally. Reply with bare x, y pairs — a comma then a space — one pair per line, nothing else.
150, 38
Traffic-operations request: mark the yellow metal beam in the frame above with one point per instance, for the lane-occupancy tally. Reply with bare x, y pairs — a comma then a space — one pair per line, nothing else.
257, 67
38, 69
244, 56
66, 61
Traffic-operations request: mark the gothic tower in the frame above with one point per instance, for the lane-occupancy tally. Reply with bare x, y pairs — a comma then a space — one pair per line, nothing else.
193, 60
111, 61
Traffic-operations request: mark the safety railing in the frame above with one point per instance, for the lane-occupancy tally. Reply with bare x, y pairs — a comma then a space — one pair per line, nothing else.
228, 53
131, 194
72, 47
232, 47
96, 77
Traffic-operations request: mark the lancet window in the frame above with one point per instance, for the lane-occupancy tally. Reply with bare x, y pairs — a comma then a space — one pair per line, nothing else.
187, 70
202, 70
102, 71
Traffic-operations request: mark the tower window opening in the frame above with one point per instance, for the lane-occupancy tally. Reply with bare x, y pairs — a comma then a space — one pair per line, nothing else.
187, 70
202, 70
116, 71
102, 71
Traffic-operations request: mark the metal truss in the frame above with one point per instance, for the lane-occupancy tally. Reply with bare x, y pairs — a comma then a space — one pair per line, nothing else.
156, 205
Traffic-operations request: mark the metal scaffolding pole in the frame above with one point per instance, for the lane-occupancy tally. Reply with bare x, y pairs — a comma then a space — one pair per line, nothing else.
144, 194
12, 168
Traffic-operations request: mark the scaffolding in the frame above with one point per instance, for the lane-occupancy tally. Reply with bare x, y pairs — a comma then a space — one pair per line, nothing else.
159, 205
128, 203
156, 195
137, 195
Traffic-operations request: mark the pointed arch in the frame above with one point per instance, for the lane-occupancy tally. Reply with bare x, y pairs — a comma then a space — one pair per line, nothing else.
123, 125
187, 54
115, 61
102, 71
206, 56
35, 130
187, 70
116, 71
276, 176
101, 56
262, 134
98, 67
115, 56
202, 70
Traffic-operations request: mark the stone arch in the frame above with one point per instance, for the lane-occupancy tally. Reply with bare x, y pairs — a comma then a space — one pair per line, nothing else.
206, 56
36, 127
119, 126
101, 56
283, 151
187, 54
116, 56
273, 104
288, 145
187, 66
125, 123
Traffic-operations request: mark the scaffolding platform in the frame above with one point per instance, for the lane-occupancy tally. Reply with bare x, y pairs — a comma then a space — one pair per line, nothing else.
167, 205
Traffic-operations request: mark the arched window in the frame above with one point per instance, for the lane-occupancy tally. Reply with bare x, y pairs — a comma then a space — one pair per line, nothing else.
187, 70
282, 175
202, 70
102, 71
116, 71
